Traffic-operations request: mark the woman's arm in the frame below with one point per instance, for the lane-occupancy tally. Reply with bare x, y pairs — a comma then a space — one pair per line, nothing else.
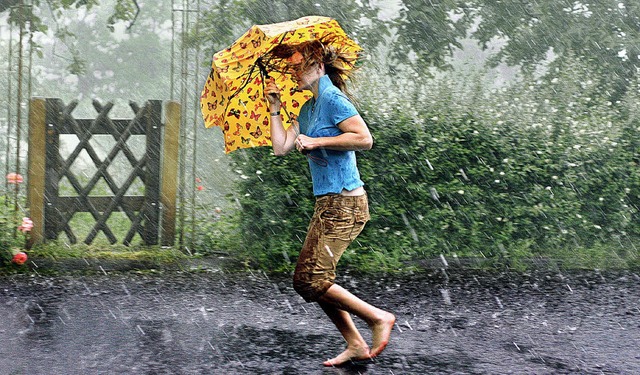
282, 141
355, 137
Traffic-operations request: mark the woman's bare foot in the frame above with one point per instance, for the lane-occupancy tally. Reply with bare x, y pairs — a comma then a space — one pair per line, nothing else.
381, 332
350, 355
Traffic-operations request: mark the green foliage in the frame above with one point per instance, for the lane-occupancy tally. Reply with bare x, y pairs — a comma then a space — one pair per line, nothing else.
602, 33
124, 10
276, 203
219, 234
543, 168
435, 27
9, 238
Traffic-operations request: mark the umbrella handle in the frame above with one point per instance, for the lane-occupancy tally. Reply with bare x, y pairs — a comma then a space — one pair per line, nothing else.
264, 73
263, 69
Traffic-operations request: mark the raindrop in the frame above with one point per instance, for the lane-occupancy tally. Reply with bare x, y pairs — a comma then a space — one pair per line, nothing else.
412, 231
502, 249
464, 175
328, 250
446, 296
570, 290
398, 327
286, 301
434, 194
444, 273
429, 164
444, 261
112, 314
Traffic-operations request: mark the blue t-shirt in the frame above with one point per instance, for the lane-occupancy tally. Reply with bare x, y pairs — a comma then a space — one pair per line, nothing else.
331, 170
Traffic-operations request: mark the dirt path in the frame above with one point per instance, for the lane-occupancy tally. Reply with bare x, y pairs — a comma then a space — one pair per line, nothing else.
455, 322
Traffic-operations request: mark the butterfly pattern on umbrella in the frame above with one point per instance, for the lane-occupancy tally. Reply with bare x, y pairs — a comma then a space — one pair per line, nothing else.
233, 98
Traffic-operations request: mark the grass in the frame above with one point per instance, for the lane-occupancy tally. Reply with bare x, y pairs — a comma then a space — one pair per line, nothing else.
617, 255
54, 250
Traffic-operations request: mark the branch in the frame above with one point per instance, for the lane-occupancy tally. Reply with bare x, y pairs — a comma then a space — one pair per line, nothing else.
6, 4
133, 21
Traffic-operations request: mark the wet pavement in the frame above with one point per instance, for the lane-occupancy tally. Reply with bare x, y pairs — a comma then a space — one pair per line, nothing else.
215, 322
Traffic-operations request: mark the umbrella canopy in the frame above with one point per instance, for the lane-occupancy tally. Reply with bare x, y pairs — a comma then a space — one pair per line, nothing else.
233, 96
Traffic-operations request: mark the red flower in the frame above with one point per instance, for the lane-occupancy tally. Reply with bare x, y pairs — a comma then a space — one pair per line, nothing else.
20, 258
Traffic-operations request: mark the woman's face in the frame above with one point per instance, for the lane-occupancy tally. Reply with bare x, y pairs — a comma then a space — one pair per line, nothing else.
303, 72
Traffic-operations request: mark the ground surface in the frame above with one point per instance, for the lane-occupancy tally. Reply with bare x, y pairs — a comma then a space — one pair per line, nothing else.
449, 322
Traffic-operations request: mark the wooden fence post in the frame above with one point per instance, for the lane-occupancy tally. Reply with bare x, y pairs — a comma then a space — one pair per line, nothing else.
169, 185
52, 216
35, 173
151, 207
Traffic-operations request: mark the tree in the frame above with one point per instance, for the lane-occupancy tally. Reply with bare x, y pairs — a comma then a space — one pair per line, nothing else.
606, 34
26, 15
430, 31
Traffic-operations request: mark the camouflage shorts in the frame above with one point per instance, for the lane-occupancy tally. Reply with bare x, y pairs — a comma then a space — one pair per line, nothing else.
337, 220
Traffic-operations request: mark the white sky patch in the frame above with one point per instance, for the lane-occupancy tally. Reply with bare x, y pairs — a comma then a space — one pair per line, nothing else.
164, 30
387, 9
71, 80
120, 32
88, 18
45, 39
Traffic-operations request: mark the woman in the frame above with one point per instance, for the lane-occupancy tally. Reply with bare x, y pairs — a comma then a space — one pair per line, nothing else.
329, 131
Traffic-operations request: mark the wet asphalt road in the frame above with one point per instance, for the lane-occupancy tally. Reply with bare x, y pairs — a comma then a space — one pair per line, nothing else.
449, 322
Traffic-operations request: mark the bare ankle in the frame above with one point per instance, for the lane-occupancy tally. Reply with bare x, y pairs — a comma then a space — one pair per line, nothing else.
383, 318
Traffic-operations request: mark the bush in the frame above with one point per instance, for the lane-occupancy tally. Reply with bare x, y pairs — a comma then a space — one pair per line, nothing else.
544, 168
9, 239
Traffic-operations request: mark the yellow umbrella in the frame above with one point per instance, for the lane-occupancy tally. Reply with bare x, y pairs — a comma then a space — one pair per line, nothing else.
233, 96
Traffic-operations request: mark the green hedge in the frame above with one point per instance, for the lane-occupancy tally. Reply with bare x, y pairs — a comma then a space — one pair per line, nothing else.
540, 169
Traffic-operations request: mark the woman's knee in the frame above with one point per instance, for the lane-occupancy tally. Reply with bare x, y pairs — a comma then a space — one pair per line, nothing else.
310, 289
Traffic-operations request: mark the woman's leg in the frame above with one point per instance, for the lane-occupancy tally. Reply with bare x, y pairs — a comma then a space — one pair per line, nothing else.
380, 322
335, 224
357, 348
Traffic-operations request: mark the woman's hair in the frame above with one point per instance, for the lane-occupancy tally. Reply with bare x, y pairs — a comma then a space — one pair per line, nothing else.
339, 64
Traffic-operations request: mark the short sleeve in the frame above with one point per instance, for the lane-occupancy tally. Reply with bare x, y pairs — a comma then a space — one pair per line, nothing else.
340, 108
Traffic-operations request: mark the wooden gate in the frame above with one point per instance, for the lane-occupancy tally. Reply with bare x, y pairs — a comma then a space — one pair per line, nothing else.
151, 214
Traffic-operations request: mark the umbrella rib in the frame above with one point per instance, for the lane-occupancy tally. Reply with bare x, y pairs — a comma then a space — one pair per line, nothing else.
263, 70
246, 82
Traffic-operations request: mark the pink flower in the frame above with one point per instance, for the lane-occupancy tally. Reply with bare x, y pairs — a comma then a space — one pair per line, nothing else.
26, 225
199, 187
14, 178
